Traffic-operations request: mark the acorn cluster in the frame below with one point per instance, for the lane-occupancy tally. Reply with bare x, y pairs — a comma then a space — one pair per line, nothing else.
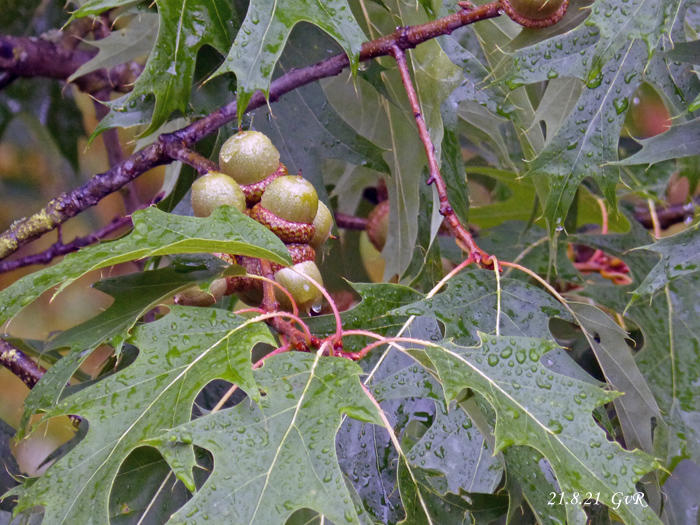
253, 180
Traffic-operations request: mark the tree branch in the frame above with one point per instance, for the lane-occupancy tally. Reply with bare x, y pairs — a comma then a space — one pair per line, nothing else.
73, 202
38, 57
668, 215
462, 235
350, 222
20, 364
57, 249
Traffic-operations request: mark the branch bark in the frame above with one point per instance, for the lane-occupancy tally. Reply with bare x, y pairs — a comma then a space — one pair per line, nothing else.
20, 364
462, 235
71, 203
38, 57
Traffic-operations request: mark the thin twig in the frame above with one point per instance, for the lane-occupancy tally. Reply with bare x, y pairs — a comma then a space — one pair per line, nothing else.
350, 222
667, 215
57, 249
73, 202
178, 150
20, 364
462, 235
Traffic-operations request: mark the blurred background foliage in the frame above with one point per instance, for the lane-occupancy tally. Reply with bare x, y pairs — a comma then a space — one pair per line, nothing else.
44, 150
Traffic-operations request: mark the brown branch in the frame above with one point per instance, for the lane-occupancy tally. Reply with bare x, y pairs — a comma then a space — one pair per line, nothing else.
176, 149
20, 364
71, 203
57, 249
462, 235
668, 215
350, 222
38, 57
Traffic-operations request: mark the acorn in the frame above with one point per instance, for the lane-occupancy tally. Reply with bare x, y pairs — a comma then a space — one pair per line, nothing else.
288, 207
195, 296
378, 225
323, 222
248, 157
304, 292
213, 190
253, 161
535, 13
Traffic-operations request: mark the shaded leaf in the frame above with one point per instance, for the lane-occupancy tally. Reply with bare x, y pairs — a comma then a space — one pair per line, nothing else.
184, 27
526, 468
681, 507
636, 409
607, 52
586, 142
679, 256
145, 489
155, 233
470, 303
177, 356
681, 140
122, 45
668, 322
454, 447
548, 412
265, 30
386, 119
426, 506
134, 295
278, 457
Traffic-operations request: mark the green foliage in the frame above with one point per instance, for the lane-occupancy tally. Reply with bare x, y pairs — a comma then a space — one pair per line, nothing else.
155, 233
178, 354
279, 456
501, 396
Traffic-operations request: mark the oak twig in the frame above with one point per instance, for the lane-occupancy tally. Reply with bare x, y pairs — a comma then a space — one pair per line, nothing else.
667, 215
20, 364
350, 222
71, 203
462, 235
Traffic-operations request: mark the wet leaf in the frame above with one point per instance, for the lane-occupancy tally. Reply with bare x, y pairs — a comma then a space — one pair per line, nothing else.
472, 303
183, 28
546, 411
265, 31
178, 354
636, 409
387, 120
668, 322
127, 43
155, 233
134, 295
279, 456
679, 256
682, 140
608, 51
